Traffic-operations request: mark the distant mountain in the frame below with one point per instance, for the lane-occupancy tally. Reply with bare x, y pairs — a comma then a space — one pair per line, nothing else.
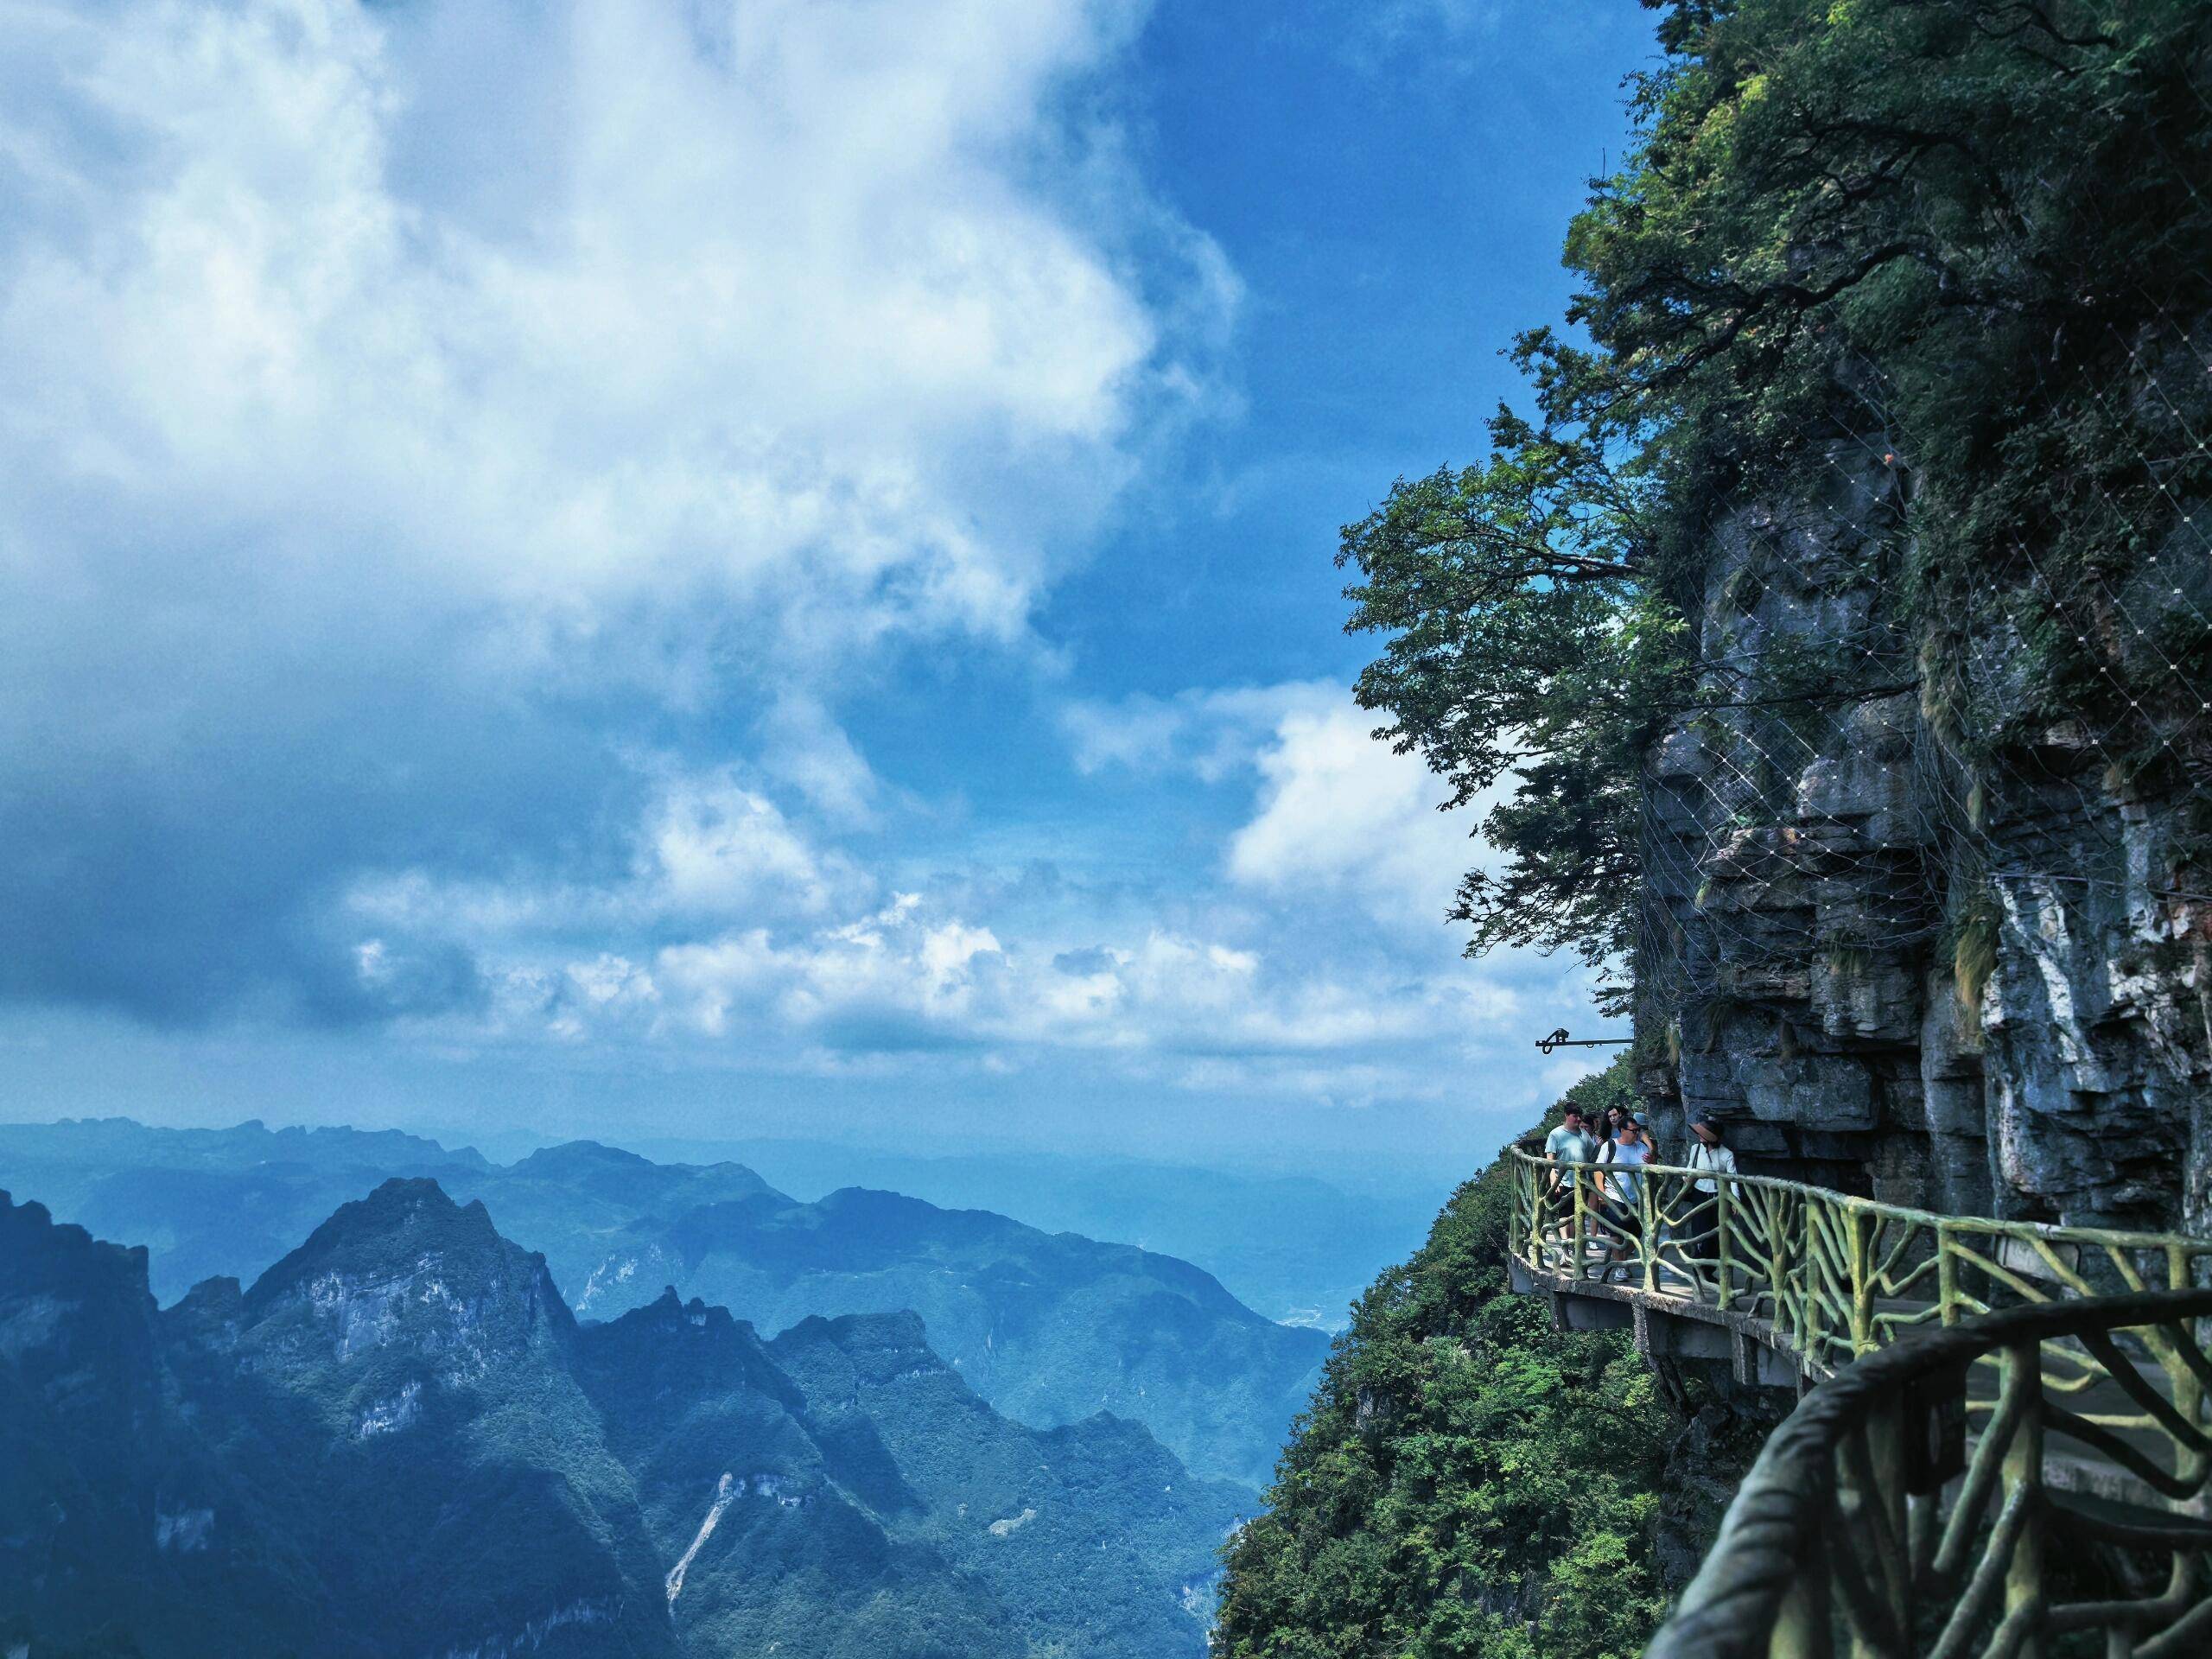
1049, 1328
400, 1441
209, 1203
1297, 1248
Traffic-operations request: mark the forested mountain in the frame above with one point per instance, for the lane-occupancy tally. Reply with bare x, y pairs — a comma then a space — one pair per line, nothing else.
1049, 1328
399, 1440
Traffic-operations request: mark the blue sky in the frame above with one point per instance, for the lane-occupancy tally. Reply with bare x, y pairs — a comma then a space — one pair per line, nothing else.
674, 567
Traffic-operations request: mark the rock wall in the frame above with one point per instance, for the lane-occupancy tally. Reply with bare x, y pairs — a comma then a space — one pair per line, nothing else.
1969, 987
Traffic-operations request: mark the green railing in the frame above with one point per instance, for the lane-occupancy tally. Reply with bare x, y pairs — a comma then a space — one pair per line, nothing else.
1860, 1527
2069, 1358
1827, 1277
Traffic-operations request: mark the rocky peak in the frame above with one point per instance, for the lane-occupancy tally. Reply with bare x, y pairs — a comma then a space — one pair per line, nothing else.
845, 1356
671, 1346
75, 1313
407, 1267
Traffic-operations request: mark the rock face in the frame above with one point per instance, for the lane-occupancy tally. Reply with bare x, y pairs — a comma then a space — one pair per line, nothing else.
1903, 934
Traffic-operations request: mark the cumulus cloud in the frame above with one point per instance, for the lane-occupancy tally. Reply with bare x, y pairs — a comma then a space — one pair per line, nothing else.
1341, 813
414, 408
909, 977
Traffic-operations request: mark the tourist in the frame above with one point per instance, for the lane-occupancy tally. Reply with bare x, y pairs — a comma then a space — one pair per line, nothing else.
1608, 1127
1630, 1150
1571, 1142
1709, 1152
1712, 1151
1568, 1146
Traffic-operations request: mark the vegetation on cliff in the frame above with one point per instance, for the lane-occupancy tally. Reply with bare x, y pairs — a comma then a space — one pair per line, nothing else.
1962, 237
1469, 1481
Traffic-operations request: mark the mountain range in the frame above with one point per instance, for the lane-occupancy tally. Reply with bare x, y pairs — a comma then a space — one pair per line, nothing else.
400, 1441
1049, 1328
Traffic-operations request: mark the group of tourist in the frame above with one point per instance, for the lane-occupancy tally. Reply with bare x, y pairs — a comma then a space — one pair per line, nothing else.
1620, 1141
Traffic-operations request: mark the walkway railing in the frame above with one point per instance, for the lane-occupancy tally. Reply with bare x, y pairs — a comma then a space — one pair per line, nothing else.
1834, 1277
1846, 1525
2070, 1359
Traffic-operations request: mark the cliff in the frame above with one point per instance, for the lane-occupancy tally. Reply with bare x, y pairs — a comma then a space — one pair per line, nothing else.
1930, 929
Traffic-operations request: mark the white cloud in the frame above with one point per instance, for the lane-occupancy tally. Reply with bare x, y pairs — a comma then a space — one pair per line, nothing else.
1341, 813
716, 848
808, 750
456, 374
777, 297
1207, 733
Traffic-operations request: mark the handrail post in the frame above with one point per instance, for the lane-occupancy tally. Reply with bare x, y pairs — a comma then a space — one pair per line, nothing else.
1885, 1455
2188, 1390
1527, 1212
1574, 1267
1647, 1206
1801, 1630
2023, 1482
1723, 1251
1862, 1283
1946, 1276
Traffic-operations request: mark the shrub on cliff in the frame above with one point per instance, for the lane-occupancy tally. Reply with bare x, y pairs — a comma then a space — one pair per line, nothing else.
1468, 1481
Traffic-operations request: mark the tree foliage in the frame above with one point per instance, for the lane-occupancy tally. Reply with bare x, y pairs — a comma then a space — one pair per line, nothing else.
1946, 227
1468, 1481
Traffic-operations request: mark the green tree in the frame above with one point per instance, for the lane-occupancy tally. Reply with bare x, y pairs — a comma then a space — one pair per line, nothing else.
1467, 1482
1948, 229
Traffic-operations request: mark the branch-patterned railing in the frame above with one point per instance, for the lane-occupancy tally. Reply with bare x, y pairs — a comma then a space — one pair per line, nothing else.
1833, 1276
1851, 1527
2036, 1343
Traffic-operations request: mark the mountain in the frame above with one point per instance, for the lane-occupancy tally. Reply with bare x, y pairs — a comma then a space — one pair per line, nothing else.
209, 1203
400, 1441
1049, 1328
582, 1204
1297, 1248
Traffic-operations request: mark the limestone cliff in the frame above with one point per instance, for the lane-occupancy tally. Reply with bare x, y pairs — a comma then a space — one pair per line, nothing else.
1905, 931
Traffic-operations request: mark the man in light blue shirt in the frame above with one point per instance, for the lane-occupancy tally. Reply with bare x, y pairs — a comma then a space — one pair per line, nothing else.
1570, 1143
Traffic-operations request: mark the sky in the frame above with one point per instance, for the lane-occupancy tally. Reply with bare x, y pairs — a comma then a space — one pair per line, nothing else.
669, 567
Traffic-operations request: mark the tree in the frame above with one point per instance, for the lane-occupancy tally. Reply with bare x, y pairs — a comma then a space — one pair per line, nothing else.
1944, 228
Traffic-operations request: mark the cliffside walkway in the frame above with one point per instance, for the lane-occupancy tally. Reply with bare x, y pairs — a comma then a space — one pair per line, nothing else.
1999, 1402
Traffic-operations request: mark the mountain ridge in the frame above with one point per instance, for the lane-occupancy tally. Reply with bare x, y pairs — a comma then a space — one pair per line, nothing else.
405, 1401
1049, 1326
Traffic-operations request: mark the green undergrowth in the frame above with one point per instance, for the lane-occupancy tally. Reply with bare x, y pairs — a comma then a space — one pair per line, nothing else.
1468, 1481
